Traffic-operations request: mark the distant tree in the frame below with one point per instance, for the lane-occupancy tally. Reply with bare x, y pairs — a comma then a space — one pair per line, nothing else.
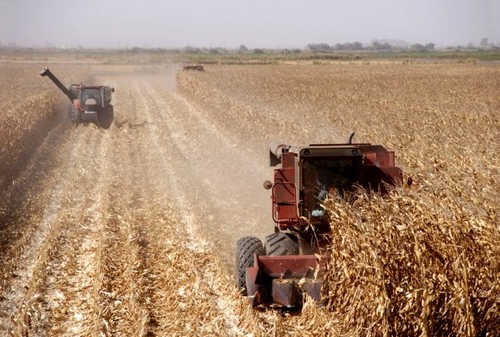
296, 51
381, 45
430, 46
484, 42
348, 46
319, 47
192, 50
258, 51
357, 45
243, 48
417, 47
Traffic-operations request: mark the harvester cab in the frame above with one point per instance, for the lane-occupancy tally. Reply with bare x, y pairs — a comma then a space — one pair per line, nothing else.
291, 261
88, 103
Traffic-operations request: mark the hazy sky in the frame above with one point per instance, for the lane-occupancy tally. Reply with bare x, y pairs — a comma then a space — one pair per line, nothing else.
254, 23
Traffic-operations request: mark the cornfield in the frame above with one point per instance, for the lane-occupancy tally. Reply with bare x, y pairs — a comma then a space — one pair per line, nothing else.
131, 231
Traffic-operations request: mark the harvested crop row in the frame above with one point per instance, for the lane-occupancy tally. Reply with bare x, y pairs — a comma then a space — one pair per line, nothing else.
26, 122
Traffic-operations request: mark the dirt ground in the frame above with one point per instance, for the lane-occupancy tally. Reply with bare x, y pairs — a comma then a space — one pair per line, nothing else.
86, 236
104, 231
130, 231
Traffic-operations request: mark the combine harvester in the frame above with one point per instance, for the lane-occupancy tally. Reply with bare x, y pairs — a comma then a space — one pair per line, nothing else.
88, 103
197, 67
292, 259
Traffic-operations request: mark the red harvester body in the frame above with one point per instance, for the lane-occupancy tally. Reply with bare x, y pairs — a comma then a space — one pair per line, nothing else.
291, 260
88, 103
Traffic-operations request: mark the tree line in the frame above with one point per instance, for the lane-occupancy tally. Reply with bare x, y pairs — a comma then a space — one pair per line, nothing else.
376, 45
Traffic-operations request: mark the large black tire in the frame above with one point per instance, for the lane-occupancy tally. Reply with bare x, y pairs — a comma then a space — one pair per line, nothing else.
282, 244
106, 117
245, 249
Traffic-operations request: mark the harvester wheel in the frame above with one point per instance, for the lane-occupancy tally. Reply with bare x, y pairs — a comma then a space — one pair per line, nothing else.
281, 244
106, 117
245, 249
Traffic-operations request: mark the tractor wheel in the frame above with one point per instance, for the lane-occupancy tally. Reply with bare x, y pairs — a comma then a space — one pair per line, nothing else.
106, 117
281, 244
245, 249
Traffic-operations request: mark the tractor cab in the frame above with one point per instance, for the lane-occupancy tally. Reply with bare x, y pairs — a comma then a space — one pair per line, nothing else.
90, 93
305, 176
326, 172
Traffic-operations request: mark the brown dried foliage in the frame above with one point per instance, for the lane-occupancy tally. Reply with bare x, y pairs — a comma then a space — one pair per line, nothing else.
418, 262
114, 257
29, 107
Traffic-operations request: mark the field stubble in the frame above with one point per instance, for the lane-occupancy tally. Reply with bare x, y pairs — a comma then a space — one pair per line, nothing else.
142, 249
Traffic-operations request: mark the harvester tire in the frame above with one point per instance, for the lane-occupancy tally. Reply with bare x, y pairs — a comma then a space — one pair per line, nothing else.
246, 247
106, 117
282, 244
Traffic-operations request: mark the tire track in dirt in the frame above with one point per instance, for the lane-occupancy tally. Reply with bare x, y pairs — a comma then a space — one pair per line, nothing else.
57, 285
121, 214
152, 231
64, 289
172, 164
60, 288
124, 311
24, 259
223, 180
174, 179
72, 285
